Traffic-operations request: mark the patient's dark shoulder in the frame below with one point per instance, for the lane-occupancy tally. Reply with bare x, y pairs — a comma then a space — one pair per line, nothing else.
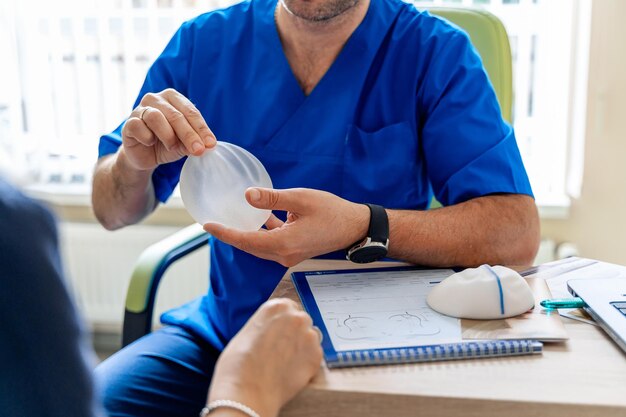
21, 216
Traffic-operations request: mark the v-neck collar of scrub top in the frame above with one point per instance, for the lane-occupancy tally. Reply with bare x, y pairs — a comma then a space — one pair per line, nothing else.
355, 47
343, 81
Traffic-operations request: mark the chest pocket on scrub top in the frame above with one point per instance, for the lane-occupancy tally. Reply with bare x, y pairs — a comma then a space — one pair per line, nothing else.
380, 166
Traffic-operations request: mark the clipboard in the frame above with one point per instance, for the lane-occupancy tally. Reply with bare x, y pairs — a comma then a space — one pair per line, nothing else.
474, 339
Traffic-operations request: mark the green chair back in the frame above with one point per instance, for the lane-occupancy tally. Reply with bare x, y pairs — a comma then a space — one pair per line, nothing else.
492, 43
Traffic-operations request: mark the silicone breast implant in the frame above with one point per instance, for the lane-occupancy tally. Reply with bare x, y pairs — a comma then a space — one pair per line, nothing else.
213, 187
484, 293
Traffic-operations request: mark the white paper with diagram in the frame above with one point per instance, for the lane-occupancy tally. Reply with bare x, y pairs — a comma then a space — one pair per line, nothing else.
382, 309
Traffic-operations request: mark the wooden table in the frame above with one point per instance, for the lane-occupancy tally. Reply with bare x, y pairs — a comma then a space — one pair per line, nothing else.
586, 376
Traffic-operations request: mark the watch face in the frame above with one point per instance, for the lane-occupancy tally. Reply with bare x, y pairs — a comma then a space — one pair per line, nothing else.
368, 254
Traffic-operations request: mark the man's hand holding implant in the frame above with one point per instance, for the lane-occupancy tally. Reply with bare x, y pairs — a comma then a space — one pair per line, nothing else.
163, 128
318, 222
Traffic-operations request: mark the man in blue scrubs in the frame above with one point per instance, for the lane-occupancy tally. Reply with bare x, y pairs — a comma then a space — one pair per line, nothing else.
345, 102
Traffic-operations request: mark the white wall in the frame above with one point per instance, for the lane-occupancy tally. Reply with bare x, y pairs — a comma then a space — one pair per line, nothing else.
597, 222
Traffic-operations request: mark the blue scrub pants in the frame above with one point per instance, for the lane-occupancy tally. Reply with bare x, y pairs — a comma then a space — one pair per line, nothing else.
164, 374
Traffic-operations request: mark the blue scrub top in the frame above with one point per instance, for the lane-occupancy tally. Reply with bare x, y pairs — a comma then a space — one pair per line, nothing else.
405, 111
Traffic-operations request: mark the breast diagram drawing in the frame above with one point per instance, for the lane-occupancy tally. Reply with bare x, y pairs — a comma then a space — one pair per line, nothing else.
382, 309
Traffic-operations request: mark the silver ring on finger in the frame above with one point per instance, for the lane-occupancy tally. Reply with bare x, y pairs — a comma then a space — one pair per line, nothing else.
143, 112
319, 333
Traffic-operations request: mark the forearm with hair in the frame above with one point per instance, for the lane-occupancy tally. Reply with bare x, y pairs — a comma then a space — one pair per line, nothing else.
121, 195
496, 229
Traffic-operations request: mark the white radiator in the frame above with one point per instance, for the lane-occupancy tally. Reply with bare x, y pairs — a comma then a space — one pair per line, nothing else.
99, 263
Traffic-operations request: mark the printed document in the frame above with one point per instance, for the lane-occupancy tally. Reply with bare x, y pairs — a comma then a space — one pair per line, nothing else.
377, 310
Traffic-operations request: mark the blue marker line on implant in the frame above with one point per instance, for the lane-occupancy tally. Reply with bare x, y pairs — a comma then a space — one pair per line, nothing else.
499, 288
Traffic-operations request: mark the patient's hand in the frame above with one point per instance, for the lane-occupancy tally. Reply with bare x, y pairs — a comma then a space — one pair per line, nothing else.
270, 360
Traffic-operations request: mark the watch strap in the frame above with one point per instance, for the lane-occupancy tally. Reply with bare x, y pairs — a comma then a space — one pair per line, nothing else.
379, 223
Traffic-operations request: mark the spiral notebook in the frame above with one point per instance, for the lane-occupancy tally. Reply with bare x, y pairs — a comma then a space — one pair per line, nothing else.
380, 316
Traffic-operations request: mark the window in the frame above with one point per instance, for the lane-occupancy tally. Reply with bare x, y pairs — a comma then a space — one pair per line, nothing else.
74, 71
75, 68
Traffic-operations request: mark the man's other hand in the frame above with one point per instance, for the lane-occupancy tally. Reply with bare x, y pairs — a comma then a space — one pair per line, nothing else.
317, 223
270, 360
163, 128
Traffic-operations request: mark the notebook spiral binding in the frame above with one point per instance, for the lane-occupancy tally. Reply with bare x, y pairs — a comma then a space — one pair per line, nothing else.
465, 350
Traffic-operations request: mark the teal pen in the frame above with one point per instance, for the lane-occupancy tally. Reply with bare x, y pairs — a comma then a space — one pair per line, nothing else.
563, 303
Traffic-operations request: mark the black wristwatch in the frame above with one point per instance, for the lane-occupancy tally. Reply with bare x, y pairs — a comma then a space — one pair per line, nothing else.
376, 243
